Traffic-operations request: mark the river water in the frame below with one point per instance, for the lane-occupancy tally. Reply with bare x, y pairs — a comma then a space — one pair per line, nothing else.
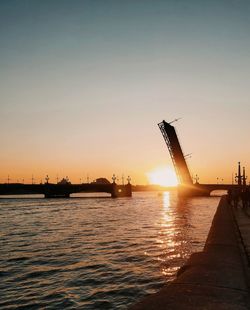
96, 253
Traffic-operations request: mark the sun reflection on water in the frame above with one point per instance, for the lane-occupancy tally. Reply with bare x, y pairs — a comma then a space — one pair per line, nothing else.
170, 237
166, 200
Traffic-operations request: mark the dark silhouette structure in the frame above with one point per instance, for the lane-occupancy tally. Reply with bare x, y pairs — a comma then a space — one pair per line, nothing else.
64, 189
186, 186
172, 141
238, 176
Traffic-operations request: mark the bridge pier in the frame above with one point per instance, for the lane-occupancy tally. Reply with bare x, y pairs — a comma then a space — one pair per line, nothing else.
121, 190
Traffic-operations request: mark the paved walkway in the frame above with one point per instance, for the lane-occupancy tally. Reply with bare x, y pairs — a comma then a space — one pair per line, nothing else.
242, 217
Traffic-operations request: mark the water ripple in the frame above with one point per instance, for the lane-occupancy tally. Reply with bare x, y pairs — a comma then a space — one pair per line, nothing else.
95, 253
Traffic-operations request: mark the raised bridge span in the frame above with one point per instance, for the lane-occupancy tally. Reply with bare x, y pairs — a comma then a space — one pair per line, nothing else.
186, 186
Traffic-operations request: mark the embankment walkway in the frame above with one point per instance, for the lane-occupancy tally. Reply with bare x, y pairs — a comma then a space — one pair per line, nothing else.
216, 278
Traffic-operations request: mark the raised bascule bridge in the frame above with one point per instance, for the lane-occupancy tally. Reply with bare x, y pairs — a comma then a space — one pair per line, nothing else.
186, 186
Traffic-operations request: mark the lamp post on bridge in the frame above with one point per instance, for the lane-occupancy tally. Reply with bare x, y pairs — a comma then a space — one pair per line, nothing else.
196, 179
129, 179
113, 178
47, 179
238, 176
244, 177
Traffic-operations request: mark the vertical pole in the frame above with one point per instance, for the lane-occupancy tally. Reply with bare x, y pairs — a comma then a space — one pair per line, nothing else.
244, 177
239, 174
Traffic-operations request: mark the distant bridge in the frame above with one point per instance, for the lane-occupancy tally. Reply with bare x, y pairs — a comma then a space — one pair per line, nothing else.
50, 190
197, 189
186, 186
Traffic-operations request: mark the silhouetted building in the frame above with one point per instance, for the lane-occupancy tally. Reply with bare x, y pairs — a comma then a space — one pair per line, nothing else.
101, 181
64, 181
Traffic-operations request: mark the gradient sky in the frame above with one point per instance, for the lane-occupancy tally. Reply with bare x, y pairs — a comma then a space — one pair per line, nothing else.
83, 85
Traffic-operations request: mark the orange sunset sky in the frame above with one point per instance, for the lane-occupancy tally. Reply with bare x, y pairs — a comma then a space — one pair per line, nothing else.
83, 85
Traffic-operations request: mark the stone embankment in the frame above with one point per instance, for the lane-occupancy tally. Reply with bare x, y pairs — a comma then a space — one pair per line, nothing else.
216, 278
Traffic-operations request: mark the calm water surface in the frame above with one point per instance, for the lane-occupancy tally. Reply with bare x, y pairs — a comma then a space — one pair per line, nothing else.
96, 253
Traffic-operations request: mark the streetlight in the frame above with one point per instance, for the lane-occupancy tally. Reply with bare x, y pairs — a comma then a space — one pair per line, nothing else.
196, 179
47, 179
113, 178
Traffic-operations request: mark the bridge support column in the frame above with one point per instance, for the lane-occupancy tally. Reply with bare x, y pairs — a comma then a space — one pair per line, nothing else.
121, 190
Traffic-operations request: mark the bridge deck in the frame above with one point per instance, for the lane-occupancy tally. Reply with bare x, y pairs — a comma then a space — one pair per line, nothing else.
64, 190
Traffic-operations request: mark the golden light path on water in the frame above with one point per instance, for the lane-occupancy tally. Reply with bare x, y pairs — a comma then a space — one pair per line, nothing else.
169, 228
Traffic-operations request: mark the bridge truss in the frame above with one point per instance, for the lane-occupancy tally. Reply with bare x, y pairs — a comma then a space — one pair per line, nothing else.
172, 141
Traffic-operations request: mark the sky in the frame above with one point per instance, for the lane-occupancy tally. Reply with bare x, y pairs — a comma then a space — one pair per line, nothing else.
83, 85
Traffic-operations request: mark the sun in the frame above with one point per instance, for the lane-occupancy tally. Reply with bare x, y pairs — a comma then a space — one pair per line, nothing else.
164, 176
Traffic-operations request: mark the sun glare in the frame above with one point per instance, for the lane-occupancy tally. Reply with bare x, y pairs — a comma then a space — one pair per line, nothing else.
164, 176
